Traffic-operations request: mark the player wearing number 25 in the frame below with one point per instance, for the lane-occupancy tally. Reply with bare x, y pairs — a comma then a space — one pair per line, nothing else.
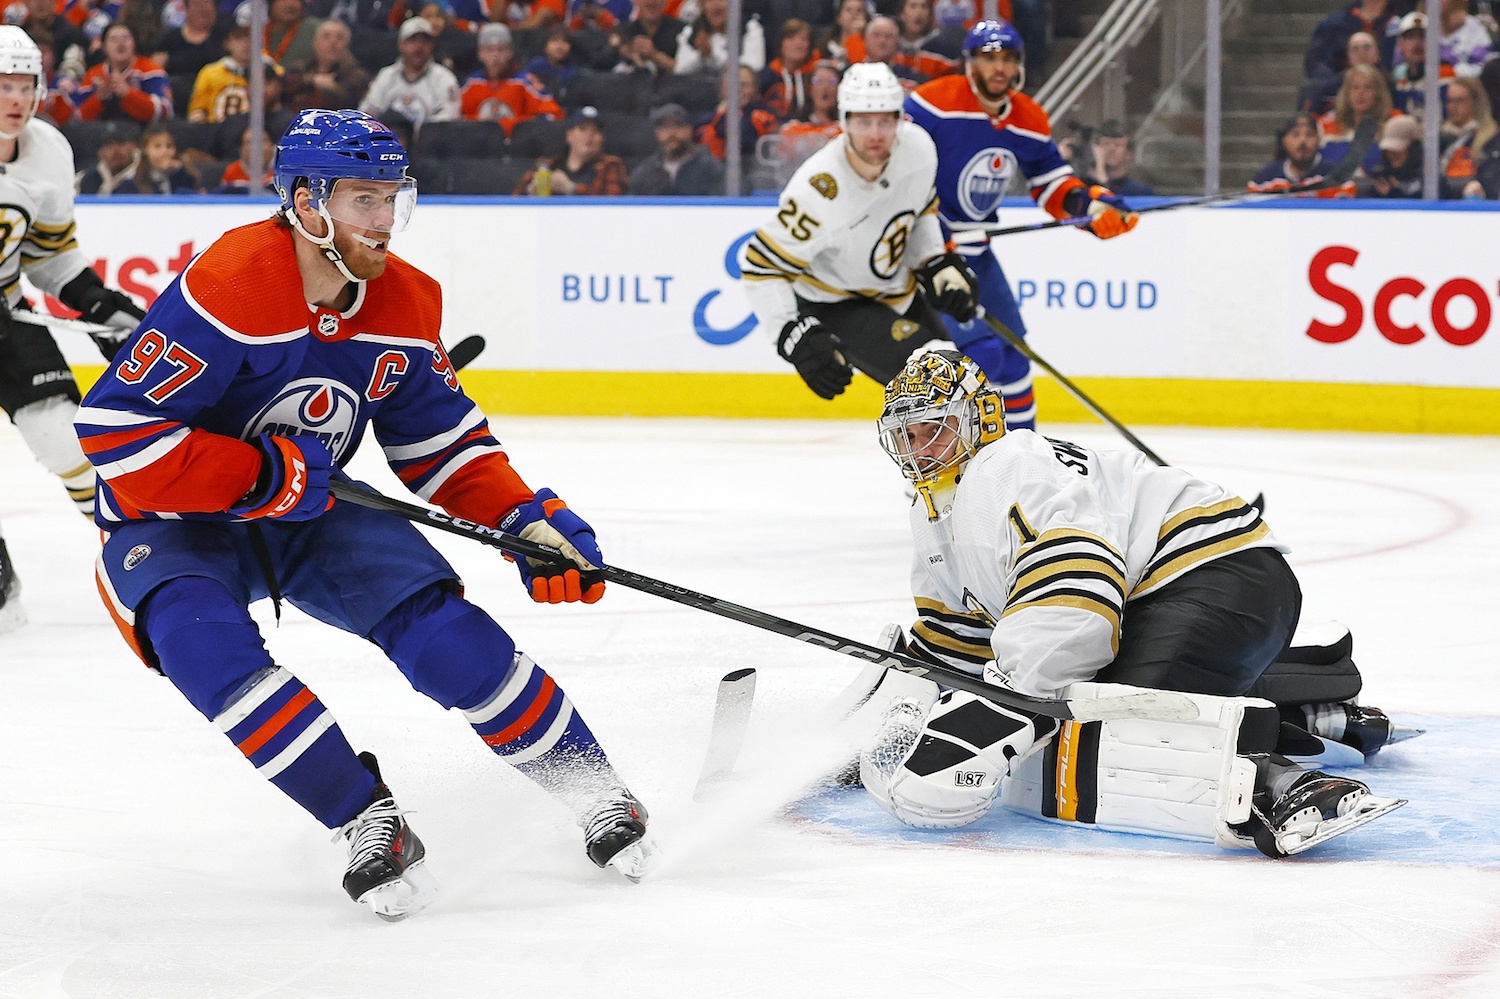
215, 434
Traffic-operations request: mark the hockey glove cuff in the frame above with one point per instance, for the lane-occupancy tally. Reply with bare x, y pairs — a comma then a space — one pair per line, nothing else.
103, 307
293, 481
950, 285
547, 520
814, 352
1110, 214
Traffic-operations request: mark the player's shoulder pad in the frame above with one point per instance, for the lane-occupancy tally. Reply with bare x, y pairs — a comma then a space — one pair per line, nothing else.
818, 173
404, 302
1026, 115
947, 97
247, 285
47, 143
915, 140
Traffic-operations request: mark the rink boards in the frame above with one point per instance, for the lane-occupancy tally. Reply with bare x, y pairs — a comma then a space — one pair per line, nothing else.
1327, 317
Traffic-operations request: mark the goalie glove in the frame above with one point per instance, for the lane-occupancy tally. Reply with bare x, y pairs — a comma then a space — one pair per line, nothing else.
547, 520
950, 286
102, 306
1110, 215
814, 352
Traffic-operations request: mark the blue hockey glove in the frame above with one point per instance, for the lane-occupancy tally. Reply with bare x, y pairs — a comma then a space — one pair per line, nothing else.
293, 481
950, 285
548, 521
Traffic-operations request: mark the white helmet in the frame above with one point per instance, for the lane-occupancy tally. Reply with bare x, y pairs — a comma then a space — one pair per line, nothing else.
19, 54
869, 86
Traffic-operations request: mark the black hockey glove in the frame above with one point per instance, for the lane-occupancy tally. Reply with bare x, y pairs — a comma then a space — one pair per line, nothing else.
950, 286
815, 353
103, 307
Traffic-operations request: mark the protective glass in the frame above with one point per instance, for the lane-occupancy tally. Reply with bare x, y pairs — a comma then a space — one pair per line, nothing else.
379, 205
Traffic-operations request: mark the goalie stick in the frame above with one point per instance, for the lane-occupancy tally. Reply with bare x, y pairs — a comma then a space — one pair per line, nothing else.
1146, 704
1342, 173
731, 721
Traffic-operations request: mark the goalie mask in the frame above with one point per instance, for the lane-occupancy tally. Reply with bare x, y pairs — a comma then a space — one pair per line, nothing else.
19, 56
939, 411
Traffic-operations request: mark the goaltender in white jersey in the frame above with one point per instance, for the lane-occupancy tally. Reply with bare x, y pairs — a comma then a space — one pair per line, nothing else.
853, 265
36, 221
1059, 571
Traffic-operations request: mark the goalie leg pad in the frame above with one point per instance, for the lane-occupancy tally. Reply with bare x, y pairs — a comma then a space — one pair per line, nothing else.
1187, 780
937, 764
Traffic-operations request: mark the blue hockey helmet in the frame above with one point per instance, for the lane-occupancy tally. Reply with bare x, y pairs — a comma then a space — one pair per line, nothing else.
322, 146
993, 36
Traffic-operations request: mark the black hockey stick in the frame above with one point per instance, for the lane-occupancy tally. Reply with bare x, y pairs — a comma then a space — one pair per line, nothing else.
463, 353
1343, 170
1145, 704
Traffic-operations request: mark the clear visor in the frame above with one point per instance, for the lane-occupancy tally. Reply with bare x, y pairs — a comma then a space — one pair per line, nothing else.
926, 442
378, 205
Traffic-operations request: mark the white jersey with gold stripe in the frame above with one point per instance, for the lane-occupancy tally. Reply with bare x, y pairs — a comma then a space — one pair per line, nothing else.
36, 213
1044, 545
836, 235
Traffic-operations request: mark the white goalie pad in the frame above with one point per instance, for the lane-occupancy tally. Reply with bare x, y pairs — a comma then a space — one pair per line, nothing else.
937, 763
1187, 780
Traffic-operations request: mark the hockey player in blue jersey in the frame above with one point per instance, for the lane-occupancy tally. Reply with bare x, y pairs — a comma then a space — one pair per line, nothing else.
986, 132
215, 434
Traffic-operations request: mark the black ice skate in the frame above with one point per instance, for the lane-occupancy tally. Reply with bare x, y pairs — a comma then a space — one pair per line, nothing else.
1315, 808
386, 869
1365, 729
12, 614
614, 834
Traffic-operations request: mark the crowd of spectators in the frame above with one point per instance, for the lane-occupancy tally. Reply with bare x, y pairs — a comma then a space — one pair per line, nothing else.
537, 97
1369, 61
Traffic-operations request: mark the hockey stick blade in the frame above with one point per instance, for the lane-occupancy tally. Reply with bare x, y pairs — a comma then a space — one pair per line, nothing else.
465, 351
1147, 704
731, 721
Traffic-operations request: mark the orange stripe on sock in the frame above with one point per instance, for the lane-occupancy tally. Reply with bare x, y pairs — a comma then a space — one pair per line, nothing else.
518, 727
276, 722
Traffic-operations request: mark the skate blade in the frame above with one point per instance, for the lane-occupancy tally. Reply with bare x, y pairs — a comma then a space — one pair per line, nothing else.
1333, 754
393, 901
1370, 807
635, 860
1400, 733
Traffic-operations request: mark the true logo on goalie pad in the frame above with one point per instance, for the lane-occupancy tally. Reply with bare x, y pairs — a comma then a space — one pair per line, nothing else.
136, 556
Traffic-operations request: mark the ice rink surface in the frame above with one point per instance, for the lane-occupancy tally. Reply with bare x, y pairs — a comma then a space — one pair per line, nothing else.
144, 858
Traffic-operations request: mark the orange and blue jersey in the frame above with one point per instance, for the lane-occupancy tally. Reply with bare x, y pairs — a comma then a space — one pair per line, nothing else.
149, 99
979, 154
231, 351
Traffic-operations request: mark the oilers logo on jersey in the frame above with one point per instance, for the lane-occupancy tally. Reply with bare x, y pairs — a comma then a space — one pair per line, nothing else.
322, 408
984, 179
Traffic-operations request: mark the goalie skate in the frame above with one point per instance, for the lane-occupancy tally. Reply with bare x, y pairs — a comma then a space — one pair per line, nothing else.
386, 868
614, 835
1316, 808
12, 614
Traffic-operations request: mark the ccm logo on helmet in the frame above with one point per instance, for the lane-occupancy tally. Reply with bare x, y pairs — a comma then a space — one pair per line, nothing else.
1347, 299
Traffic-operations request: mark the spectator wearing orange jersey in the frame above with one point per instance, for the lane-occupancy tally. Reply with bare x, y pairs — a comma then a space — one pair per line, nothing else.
494, 94
124, 85
784, 82
756, 119
919, 33
845, 43
883, 44
524, 16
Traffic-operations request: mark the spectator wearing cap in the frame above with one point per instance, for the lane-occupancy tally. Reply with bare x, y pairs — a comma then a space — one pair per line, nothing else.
784, 82
1318, 95
496, 93
703, 45
198, 42
115, 161
1409, 86
1298, 160
557, 64
1399, 172
414, 88
222, 89
1113, 158
1326, 50
332, 78
649, 41
585, 170
680, 166
125, 85
289, 31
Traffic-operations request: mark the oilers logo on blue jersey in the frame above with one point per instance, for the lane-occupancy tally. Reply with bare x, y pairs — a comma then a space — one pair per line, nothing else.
984, 179
318, 407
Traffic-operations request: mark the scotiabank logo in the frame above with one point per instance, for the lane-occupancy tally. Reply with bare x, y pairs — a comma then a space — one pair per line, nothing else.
1457, 310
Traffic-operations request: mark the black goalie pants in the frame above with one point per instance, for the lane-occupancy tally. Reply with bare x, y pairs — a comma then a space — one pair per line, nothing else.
1212, 630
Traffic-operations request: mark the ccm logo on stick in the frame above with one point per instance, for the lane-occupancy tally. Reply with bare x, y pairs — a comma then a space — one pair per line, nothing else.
1399, 287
